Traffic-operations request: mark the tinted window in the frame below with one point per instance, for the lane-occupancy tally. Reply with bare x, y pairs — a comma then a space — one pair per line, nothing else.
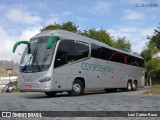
133, 61
117, 57
69, 51
100, 52
141, 62
111, 55
81, 50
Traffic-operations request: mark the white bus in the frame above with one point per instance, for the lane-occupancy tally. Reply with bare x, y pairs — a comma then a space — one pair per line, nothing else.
57, 61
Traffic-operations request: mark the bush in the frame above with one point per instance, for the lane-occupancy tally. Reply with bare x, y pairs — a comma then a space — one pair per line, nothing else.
153, 69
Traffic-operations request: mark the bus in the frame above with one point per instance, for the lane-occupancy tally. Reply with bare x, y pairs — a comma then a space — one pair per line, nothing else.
61, 61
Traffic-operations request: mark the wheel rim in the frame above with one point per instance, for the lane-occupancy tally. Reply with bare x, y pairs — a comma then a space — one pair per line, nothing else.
134, 86
129, 86
77, 88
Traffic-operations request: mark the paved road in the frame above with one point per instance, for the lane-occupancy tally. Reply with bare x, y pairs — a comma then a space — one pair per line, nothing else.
118, 101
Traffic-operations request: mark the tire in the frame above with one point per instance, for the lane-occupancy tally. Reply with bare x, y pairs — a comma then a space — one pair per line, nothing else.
134, 86
77, 88
50, 94
129, 86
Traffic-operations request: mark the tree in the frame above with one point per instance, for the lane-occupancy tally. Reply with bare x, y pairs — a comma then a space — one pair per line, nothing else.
152, 47
100, 35
52, 27
153, 68
155, 39
69, 26
122, 44
146, 54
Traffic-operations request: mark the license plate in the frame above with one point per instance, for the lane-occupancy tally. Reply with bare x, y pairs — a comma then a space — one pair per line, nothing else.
28, 86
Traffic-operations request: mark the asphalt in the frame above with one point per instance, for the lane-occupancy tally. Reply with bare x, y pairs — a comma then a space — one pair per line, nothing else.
97, 101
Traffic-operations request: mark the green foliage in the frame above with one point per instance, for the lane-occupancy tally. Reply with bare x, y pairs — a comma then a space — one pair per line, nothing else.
122, 44
153, 68
149, 51
100, 35
153, 46
155, 39
52, 27
3, 73
146, 54
69, 26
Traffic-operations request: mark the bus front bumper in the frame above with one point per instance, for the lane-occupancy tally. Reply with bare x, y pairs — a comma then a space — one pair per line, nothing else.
34, 87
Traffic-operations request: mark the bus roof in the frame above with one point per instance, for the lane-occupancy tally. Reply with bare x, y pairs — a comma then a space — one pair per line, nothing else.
74, 36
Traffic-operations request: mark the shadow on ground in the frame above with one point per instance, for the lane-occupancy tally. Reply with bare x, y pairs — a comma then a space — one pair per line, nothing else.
41, 95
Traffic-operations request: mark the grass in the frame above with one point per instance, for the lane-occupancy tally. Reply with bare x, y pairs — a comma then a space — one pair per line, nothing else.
155, 91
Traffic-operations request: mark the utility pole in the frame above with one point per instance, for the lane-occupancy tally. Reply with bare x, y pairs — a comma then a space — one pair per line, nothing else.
9, 71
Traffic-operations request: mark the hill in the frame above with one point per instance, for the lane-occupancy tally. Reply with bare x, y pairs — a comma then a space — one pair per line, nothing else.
4, 65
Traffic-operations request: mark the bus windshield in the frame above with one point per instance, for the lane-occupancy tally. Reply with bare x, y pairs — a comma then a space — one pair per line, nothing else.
39, 58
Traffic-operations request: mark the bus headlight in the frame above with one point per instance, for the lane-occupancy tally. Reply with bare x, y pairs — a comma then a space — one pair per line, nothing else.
46, 79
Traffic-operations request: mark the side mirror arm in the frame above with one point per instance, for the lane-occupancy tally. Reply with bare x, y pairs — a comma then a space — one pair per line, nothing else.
51, 41
21, 42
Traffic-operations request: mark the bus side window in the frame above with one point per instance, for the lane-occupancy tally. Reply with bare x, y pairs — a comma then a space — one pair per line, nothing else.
131, 60
141, 61
69, 51
117, 57
61, 56
100, 52
82, 50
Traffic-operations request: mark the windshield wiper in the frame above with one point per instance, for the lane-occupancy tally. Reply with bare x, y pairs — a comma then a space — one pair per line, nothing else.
45, 59
34, 57
25, 66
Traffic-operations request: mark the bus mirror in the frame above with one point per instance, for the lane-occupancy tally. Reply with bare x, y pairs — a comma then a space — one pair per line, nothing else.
21, 42
51, 40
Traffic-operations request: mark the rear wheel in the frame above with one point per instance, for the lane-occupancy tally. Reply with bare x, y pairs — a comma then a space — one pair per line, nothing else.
77, 88
134, 86
129, 86
50, 94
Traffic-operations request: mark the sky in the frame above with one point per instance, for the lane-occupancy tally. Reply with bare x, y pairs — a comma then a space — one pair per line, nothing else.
22, 19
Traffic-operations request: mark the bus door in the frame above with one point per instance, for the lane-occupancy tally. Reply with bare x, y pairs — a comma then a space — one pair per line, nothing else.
61, 76
62, 66
69, 54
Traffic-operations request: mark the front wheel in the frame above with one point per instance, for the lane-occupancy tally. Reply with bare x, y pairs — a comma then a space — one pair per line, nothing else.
77, 88
50, 94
